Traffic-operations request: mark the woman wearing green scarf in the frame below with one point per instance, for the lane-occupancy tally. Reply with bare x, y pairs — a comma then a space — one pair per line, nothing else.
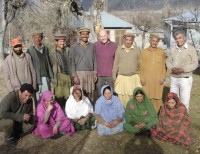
140, 113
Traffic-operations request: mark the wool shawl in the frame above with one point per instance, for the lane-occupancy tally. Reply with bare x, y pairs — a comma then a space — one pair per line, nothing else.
109, 110
143, 112
56, 114
74, 109
174, 124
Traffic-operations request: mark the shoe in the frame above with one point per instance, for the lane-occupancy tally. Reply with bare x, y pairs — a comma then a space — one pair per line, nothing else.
94, 125
147, 133
57, 136
11, 142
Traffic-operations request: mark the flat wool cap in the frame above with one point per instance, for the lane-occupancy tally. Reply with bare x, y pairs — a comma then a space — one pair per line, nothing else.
128, 34
60, 36
38, 33
154, 35
84, 30
16, 41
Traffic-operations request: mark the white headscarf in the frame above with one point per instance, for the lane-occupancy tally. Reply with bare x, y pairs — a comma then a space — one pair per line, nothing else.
74, 109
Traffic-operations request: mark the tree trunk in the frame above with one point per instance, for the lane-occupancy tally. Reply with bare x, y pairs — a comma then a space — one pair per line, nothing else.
143, 39
3, 26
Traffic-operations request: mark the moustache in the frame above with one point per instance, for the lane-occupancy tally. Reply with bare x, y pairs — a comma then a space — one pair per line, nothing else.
18, 52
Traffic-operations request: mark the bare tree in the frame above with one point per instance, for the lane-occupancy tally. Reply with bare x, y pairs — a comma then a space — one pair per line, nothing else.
48, 16
189, 20
145, 21
9, 10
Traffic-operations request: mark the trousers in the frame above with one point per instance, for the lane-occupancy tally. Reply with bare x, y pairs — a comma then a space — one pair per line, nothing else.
182, 87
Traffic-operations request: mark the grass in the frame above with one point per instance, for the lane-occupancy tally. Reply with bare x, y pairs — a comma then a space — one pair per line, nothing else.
89, 141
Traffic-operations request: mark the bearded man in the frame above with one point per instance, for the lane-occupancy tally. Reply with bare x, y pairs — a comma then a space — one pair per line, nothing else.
18, 68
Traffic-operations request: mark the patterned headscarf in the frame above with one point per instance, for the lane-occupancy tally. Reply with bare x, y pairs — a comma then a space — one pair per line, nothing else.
174, 123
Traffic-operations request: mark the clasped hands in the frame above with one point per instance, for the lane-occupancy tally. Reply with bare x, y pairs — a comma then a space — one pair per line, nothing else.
177, 70
111, 124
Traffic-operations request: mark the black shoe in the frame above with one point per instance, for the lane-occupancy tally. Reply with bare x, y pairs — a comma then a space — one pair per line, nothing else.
147, 133
11, 142
57, 136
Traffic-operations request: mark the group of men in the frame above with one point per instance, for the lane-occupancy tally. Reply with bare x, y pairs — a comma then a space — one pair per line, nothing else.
91, 65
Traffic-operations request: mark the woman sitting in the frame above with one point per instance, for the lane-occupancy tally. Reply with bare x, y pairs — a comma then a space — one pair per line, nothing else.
50, 119
79, 109
109, 113
174, 122
140, 113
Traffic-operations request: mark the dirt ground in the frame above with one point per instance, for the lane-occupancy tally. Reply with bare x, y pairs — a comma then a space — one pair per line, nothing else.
89, 142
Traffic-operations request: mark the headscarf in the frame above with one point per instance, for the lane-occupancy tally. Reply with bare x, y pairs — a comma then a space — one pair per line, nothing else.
174, 123
109, 110
57, 113
140, 112
74, 109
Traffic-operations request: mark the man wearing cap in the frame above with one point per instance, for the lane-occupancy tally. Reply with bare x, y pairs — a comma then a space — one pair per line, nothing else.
181, 63
125, 69
153, 71
61, 68
84, 66
105, 54
18, 68
16, 114
42, 63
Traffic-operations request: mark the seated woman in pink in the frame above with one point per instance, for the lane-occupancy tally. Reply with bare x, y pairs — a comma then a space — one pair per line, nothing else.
50, 119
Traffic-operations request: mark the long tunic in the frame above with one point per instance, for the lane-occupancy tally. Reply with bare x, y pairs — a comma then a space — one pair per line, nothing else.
11, 70
83, 58
33, 52
185, 58
61, 70
126, 63
152, 71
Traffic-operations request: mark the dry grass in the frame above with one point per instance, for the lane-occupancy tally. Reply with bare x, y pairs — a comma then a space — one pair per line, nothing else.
89, 141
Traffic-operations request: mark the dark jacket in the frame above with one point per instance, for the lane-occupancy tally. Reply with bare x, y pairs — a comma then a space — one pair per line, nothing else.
12, 108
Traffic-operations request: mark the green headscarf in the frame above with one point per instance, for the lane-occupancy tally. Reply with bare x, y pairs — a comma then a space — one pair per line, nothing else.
141, 112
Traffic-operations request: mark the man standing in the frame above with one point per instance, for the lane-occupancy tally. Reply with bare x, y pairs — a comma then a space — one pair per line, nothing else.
153, 71
16, 114
61, 68
182, 61
125, 69
18, 68
105, 54
42, 64
84, 66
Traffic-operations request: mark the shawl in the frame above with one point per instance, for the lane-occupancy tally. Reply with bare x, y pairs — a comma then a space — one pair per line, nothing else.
174, 124
141, 112
74, 109
56, 114
109, 110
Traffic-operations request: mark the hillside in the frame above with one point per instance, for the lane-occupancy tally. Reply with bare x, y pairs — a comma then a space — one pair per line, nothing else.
135, 4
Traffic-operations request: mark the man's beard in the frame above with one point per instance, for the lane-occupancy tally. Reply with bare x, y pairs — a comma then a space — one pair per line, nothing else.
18, 52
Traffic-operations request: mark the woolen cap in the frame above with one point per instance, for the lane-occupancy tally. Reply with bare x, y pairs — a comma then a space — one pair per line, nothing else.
16, 41
37, 33
60, 36
128, 34
154, 35
84, 30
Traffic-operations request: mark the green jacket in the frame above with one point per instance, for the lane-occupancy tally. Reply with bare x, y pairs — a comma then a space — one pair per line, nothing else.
12, 108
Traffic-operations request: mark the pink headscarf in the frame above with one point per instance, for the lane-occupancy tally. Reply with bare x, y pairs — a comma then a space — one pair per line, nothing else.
45, 95
57, 113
